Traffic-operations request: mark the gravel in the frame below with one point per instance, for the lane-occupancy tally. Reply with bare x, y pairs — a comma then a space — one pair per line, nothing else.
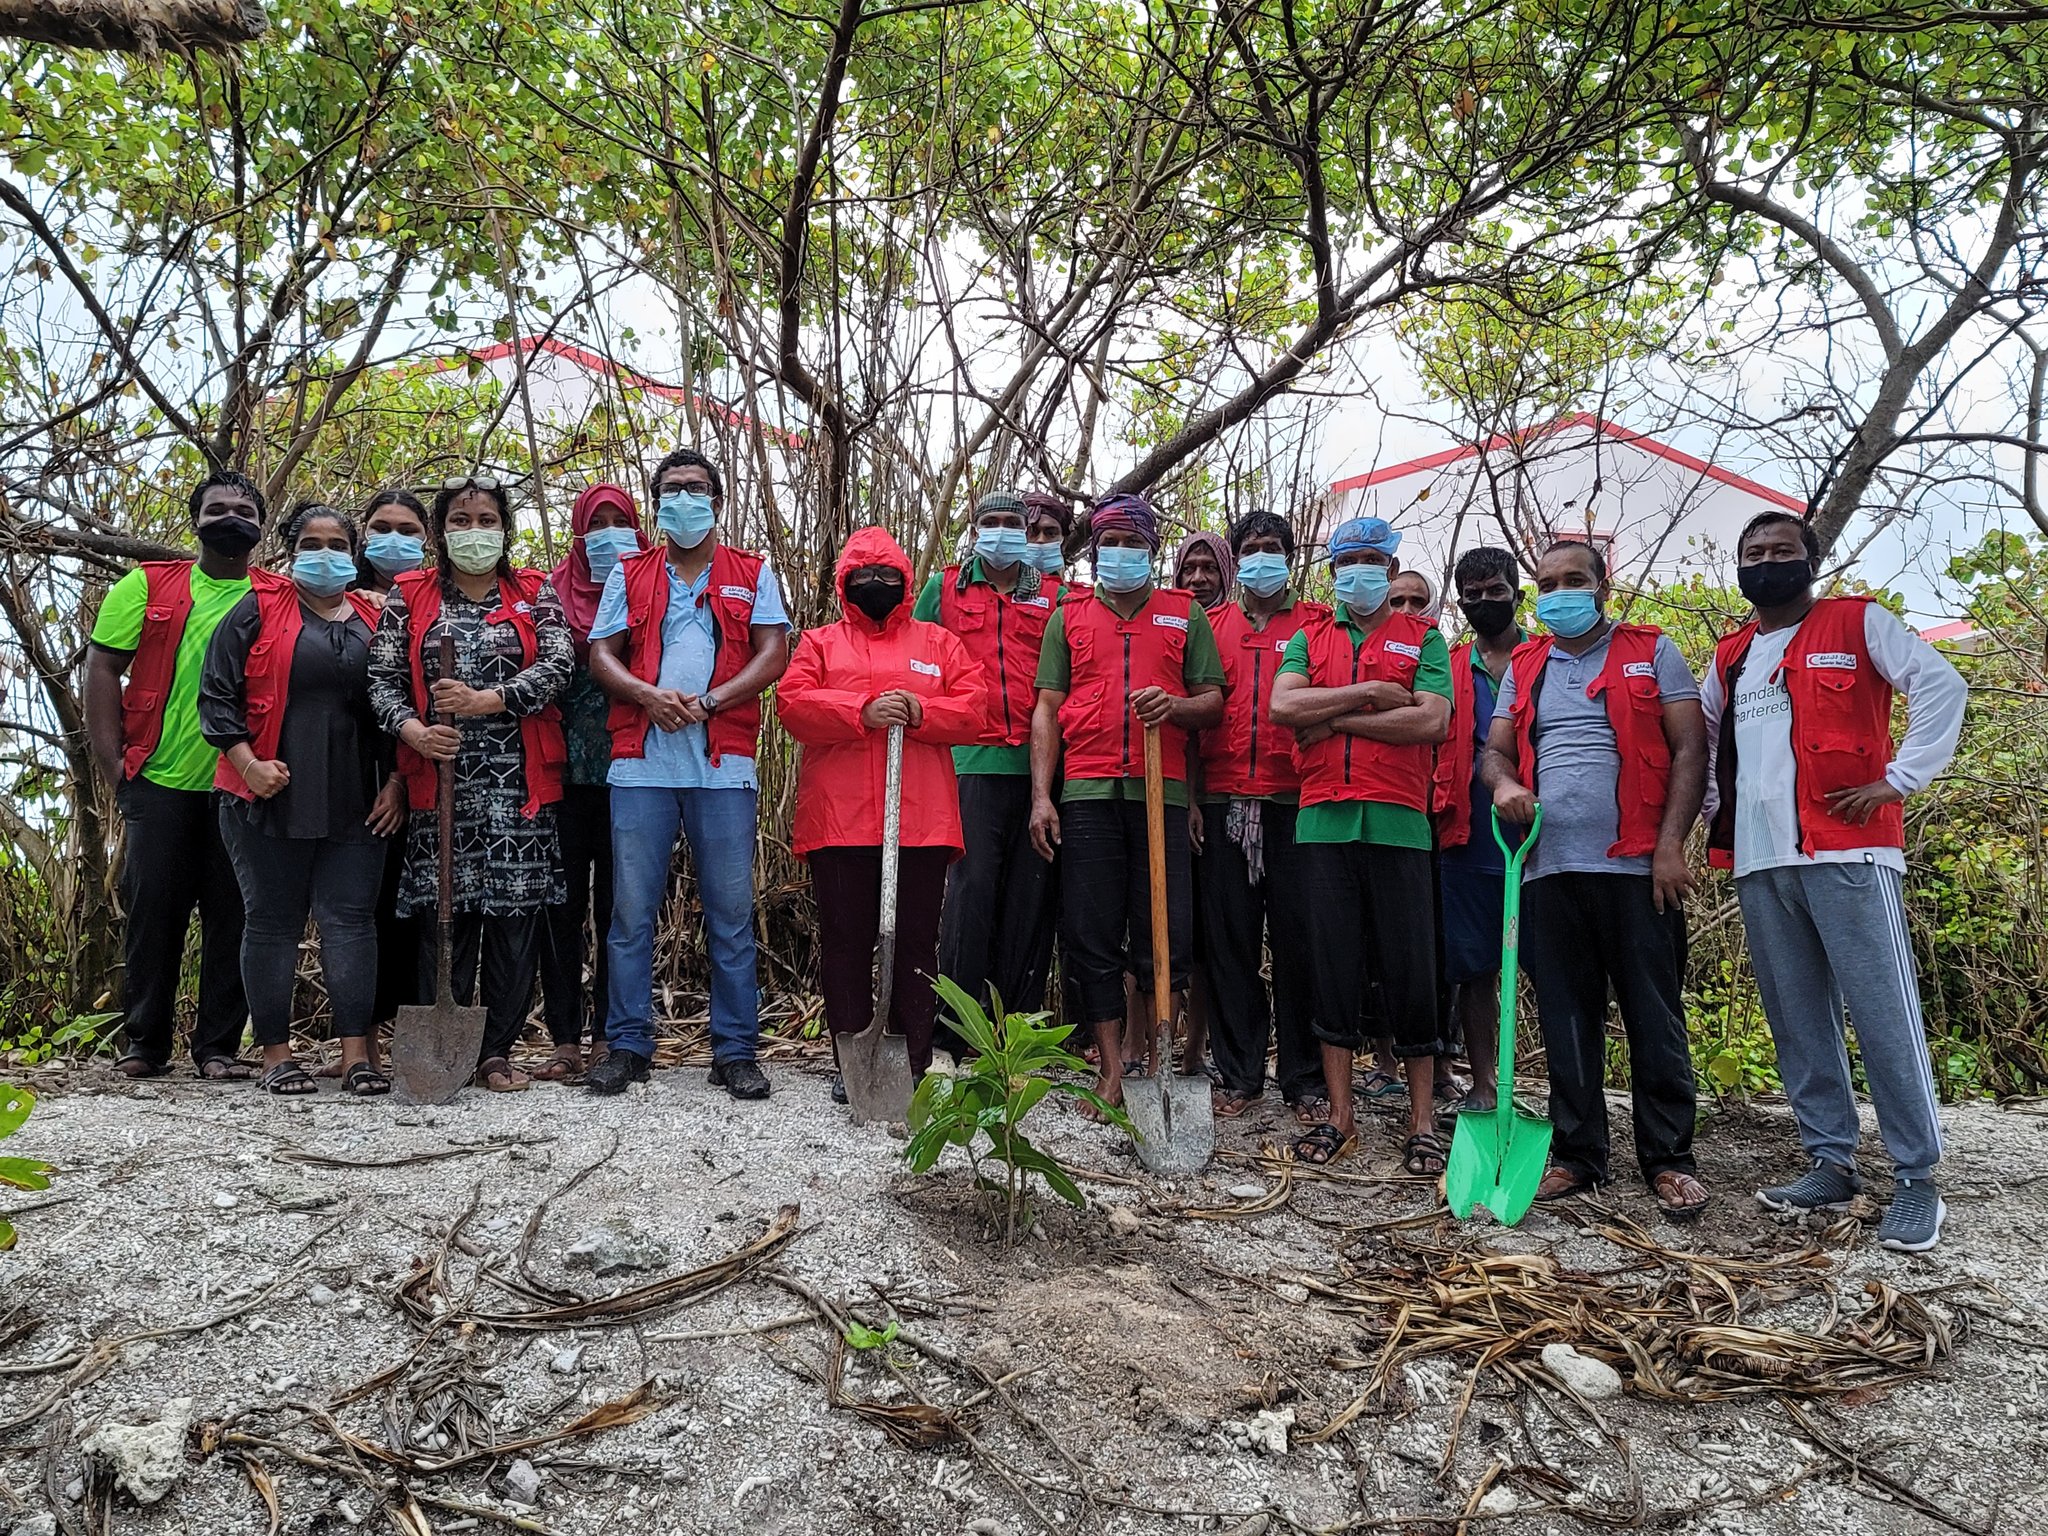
1134, 1338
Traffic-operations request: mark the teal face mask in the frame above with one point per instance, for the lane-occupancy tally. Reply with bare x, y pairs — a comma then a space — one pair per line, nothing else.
685, 517
1000, 547
1262, 574
1362, 588
604, 548
323, 572
1047, 559
1568, 612
1123, 570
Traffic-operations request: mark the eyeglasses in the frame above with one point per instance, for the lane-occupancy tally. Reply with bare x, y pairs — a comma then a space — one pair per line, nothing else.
480, 482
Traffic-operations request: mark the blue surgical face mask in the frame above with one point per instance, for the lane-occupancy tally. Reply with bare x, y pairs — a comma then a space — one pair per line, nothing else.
1362, 588
1569, 611
604, 548
1123, 570
1048, 559
685, 517
1262, 574
1000, 547
323, 572
395, 553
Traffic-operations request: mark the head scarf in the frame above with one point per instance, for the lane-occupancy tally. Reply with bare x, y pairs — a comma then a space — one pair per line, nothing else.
574, 583
1364, 533
1225, 560
1131, 514
1054, 507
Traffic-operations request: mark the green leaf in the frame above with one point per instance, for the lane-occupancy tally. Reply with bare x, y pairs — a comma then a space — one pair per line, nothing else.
860, 1336
16, 1103
25, 1172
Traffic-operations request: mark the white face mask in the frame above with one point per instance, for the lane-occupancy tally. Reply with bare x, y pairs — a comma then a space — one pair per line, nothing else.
476, 551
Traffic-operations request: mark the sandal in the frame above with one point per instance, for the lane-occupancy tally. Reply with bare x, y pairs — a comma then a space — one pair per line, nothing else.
1680, 1194
228, 1069
364, 1080
1562, 1183
1324, 1144
1313, 1109
287, 1079
1423, 1155
142, 1066
500, 1076
599, 1049
565, 1063
1381, 1090
1227, 1105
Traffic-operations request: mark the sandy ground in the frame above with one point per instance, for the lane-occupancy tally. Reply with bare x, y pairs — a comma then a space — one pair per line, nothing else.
1109, 1363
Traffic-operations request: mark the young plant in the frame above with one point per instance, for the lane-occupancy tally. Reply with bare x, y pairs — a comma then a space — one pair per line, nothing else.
18, 1172
982, 1105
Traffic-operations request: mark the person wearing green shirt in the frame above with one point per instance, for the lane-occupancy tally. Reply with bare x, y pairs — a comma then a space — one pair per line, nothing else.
153, 629
1369, 692
1118, 662
996, 930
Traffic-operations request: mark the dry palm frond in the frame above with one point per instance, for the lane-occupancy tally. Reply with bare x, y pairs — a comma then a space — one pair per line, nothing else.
133, 26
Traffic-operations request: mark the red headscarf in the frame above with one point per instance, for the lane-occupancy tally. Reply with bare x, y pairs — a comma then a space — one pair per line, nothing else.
574, 583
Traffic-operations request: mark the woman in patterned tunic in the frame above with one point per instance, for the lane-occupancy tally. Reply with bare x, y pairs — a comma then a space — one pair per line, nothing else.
512, 660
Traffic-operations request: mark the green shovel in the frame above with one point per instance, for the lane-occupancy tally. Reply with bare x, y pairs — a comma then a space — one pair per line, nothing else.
1498, 1155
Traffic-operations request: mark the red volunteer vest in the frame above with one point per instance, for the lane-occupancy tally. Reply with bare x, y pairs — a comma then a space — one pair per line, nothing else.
1345, 767
1112, 658
168, 606
540, 736
729, 589
1248, 754
1841, 730
1003, 632
1451, 788
267, 676
1627, 685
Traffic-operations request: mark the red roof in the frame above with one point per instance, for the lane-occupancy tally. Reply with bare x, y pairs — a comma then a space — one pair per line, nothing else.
597, 362
1598, 424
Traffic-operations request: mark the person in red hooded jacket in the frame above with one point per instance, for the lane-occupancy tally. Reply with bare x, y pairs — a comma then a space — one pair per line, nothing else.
848, 683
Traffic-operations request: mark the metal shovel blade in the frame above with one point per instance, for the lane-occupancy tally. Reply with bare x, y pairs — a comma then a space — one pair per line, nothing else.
1496, 1161
876, 1069
1176, 1125
434, 1049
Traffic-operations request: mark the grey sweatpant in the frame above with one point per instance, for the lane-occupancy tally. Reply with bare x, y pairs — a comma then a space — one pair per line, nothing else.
1822, 935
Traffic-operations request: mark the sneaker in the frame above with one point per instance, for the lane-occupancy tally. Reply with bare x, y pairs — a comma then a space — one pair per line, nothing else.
742, 1079
618, 1071
1913, 1223
1825, 1186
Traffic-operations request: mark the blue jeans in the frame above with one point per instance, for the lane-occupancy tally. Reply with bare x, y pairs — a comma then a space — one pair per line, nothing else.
719, 824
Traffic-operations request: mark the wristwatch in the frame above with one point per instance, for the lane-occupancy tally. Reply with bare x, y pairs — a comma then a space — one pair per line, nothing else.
709, 700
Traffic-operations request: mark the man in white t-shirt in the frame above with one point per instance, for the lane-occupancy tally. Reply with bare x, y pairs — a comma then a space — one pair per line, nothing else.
1803, 800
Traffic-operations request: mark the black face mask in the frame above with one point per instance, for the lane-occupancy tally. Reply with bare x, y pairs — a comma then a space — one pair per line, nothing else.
1774, 583
232, 537
1490, 616
875, 597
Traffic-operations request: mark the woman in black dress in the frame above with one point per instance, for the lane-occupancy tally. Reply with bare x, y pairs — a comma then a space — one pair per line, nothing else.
284, 694
495, 718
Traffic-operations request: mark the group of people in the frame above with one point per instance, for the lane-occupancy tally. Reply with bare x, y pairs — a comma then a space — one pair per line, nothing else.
1334, 773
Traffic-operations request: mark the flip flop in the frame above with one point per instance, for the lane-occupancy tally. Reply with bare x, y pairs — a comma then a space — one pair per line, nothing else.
1381, 1090
1227, 1105
141, 1066
565, 1063
1312, 1110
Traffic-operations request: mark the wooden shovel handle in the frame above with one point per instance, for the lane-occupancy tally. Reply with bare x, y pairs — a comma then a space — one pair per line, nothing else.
1162, 949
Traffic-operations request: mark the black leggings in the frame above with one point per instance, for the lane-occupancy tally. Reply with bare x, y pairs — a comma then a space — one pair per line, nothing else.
284, 881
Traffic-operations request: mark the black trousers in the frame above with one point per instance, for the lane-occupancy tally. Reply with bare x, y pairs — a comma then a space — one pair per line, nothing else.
584, 822
398, 941
1374, 921
1106, 902
284, 882
1240, 919
847, 884
176, 862
1581, 934
499, 951
995, 936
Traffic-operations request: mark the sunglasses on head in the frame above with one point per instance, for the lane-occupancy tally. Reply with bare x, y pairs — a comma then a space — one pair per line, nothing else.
466, 482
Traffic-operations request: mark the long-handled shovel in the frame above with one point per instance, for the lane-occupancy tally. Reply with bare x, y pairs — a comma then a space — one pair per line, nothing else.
434, 1049
1176, 1127
1498, 1155
875, 1065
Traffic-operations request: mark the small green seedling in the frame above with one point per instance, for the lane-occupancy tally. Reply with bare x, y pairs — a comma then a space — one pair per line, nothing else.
18, 1172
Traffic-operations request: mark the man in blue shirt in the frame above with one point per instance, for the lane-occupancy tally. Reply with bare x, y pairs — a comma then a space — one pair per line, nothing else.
687, 638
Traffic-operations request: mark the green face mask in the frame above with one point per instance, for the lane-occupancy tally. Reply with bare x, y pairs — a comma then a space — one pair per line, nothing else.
476, 551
